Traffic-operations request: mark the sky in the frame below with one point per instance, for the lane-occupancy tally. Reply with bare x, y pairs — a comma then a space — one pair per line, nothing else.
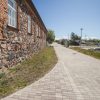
66, 16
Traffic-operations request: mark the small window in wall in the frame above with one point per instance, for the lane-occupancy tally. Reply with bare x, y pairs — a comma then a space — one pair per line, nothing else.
12, 13
43, 34
37, 30
29, 24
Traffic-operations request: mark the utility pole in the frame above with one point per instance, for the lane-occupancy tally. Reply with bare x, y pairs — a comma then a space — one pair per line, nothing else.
81, 35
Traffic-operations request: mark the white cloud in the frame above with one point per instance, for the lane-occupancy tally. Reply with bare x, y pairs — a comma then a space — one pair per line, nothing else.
62, 37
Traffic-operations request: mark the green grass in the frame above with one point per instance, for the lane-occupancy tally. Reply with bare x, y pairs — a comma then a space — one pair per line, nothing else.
27, 72
92, 53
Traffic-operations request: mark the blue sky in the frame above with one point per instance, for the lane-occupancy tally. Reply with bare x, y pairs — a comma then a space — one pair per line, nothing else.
66, 16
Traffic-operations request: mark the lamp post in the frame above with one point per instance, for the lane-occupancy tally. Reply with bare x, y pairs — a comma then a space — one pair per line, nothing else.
81, 35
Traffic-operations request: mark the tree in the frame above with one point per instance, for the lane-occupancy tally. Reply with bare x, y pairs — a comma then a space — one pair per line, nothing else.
65, 42
75, 39
94, 41
50, 36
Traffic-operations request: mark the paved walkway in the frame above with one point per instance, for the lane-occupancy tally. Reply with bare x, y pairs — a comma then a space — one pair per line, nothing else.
75, 77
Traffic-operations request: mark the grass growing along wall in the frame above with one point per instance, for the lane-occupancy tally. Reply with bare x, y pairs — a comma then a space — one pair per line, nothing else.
27, 72
92, 53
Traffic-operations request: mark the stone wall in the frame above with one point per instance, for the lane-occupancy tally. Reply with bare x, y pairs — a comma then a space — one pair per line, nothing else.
3, 16
16, 44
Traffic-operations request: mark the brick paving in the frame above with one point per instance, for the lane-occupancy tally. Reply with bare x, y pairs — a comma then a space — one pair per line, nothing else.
75, 77
54, 86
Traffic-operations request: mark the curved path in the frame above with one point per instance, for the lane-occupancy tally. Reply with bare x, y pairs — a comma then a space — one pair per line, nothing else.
75, 77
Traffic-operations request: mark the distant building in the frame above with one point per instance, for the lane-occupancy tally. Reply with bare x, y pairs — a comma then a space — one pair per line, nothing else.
22, 31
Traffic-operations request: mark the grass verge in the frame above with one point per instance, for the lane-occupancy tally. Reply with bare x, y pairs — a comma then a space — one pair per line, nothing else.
92, 53
27, 72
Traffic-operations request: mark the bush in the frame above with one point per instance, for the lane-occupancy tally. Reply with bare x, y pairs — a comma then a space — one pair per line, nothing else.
2, 75
50, 36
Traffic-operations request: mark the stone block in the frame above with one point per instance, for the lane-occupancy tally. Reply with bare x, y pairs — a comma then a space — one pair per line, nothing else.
4, 46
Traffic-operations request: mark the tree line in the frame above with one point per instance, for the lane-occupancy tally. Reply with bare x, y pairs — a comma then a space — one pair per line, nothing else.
74, 39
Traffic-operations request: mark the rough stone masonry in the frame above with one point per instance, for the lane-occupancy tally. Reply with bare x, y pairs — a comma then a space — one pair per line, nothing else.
16, 43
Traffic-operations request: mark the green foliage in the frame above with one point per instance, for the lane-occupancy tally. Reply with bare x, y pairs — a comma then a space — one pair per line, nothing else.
50, 36
93, 41
87, 52
75, 39
2, 75
3, 82
65, 42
